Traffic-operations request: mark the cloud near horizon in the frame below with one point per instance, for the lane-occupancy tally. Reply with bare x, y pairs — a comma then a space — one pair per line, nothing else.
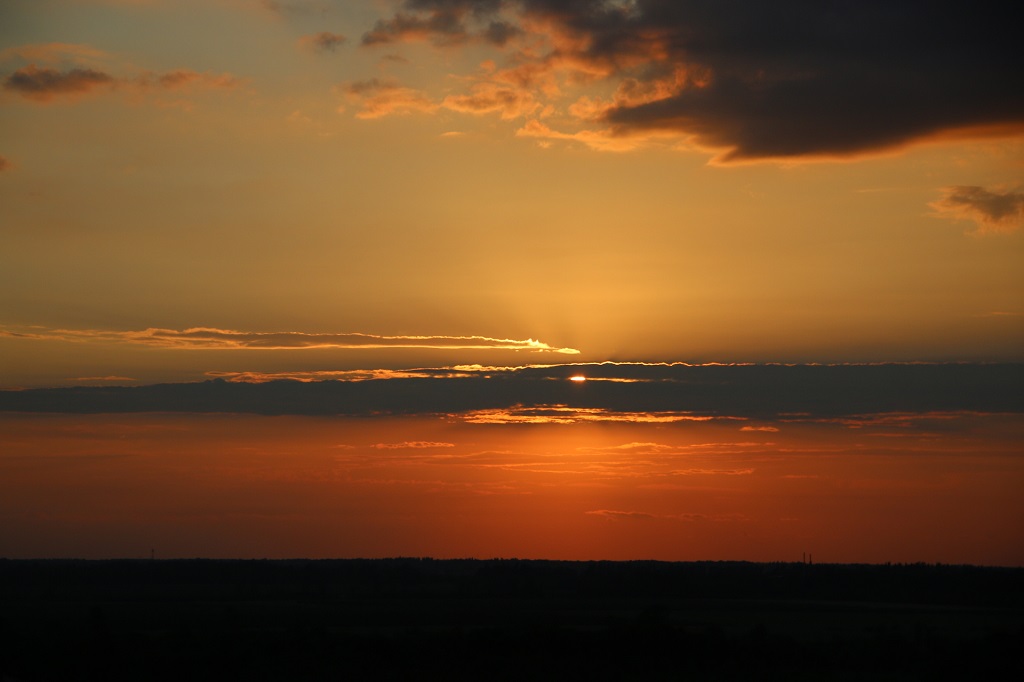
866, 397
217, 339
747, 81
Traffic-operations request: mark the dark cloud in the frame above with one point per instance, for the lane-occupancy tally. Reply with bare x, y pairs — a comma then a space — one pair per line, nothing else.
795, 78
443, 22
44, 83
992, 211
659, 392
324, 41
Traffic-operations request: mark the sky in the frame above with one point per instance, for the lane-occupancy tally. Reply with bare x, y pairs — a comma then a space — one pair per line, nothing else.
445, 193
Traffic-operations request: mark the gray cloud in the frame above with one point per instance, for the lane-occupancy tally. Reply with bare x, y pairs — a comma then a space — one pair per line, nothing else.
991, 211
795, 78
325, 41
42, 84
847, 396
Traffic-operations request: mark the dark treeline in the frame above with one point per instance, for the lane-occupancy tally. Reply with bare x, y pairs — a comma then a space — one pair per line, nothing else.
764, 391
503, 619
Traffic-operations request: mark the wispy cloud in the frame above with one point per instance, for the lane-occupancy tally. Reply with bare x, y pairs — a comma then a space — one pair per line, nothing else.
992, 211
384, 98
44, 84
564, 414
325, 41
412, 445
212, 338
620, 515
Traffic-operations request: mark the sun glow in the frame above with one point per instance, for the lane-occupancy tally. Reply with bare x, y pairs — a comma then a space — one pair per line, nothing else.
578, 378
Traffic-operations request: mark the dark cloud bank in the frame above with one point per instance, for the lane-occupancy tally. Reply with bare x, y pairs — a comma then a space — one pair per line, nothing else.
766, 79
751, 391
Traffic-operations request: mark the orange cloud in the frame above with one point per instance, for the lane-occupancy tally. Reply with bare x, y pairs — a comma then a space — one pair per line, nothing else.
380, 99
601, 140
564, 414
412, 445
210, 338
490, 97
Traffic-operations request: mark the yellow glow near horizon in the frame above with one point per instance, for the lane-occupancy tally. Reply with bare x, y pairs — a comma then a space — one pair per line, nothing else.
578, 378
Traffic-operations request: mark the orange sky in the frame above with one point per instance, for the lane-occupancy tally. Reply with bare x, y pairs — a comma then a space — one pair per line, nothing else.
246, 486
338, 189
598, 181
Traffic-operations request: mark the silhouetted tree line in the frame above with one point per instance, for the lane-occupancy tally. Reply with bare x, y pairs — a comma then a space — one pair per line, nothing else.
505, 619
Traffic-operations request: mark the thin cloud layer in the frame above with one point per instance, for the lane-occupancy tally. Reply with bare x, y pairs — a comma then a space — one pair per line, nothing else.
211, 338
991, 211
325, 41
45, 84
750, 81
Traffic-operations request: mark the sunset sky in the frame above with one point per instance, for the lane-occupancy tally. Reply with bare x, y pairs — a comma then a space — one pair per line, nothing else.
248, 190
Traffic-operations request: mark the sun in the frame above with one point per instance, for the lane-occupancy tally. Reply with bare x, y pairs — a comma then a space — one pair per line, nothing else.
579, 378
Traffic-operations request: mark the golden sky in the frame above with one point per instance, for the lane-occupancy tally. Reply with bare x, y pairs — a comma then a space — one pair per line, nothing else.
633, 180
781, 242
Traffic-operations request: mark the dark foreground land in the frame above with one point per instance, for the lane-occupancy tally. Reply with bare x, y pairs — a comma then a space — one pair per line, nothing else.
506, 619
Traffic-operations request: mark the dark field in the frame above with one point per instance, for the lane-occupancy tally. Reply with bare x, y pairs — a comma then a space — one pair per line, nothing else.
506, 619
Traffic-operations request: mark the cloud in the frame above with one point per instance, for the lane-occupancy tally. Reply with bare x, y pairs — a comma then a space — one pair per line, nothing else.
443, 22
487, 97
601, 140
784, 80
412, 445
322, 42
43, 84
5, 164
991, 211
615, 514
383, 98
211, 338
869, 397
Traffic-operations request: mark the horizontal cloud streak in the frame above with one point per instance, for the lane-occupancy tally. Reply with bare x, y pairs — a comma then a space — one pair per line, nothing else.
212, 338
854, 396
44, 84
